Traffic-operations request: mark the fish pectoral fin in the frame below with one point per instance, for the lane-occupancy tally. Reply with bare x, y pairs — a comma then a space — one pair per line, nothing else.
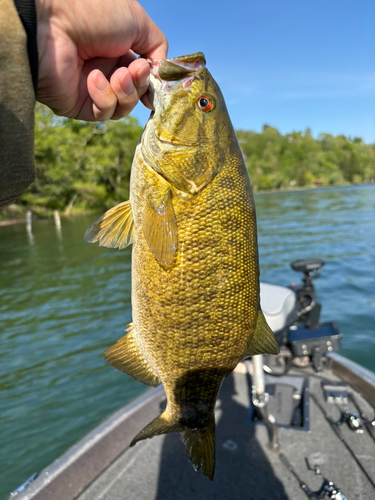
263, 341
114, 229
126, 357
160, 229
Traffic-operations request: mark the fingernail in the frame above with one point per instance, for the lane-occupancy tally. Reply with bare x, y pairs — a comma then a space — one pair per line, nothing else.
143, 77
100, 81
126, 83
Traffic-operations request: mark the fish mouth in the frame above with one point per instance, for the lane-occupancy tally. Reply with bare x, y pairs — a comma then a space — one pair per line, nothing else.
167, 76
178, 68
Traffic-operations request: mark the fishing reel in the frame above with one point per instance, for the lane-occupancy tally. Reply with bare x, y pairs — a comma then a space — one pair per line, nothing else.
328, 488
351, 419
337, 393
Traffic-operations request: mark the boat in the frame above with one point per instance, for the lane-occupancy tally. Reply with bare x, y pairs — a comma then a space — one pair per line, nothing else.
296, 425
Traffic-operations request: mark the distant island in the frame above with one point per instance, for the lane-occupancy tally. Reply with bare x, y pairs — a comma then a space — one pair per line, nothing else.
84, 167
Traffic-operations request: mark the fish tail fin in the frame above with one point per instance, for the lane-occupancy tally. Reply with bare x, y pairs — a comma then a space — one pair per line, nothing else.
199, 443
160, 425
200, 446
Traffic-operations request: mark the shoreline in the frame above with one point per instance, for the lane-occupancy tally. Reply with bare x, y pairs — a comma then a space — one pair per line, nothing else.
311, 188
10, 222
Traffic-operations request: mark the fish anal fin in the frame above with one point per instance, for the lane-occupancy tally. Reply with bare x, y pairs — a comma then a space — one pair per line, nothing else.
263, 341
114, 229
126, 357
160, 229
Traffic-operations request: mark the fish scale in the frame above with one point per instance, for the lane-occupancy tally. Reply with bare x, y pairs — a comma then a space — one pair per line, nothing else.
176, 318
195, 274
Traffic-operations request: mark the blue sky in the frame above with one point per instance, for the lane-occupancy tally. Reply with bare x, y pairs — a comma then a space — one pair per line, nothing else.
290, 64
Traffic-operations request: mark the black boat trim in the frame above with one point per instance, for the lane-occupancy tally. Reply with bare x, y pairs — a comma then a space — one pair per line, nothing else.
358, 377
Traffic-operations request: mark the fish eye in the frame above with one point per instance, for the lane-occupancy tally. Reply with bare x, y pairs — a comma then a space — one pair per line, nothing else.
205, 102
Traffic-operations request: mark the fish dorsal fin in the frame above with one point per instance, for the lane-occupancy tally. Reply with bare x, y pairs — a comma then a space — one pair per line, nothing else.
263, 341
114, 229
160, 229
126, 357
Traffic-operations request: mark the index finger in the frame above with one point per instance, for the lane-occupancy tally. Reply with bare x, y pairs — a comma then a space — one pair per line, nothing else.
150, 41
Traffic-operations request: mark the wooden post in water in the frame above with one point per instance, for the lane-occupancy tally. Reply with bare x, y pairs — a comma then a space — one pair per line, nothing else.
56, 216
29, 227
57, 219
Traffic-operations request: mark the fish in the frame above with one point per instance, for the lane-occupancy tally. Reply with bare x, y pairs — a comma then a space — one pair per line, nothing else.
195, 273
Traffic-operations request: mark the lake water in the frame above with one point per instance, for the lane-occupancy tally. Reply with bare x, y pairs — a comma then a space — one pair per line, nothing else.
63, 302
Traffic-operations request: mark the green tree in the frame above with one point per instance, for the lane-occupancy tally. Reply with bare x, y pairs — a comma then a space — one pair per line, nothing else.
80, 166
86, 166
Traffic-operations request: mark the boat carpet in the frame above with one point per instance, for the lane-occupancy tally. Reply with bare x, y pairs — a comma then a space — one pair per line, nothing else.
246, 469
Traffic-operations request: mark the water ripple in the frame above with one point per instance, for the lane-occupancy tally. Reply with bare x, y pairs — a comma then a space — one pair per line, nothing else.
63, 302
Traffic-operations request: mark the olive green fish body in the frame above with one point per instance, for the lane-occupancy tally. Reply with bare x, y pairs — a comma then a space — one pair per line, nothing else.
201, 310
195, 274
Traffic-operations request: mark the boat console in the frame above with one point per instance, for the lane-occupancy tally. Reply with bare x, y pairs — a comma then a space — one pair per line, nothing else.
283, 400
293, 313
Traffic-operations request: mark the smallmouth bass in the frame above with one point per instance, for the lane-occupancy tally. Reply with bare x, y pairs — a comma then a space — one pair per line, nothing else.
195, 273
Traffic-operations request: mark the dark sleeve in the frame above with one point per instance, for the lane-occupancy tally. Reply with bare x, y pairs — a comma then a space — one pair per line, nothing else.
17, 101
27, 12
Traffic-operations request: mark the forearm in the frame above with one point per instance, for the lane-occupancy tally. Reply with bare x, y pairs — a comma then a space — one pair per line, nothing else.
17, 100
83, 65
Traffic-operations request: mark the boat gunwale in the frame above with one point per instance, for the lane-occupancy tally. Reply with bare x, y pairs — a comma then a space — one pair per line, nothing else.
81, 464
362, 379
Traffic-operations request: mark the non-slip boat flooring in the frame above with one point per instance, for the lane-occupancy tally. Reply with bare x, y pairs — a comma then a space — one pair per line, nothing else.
159, 469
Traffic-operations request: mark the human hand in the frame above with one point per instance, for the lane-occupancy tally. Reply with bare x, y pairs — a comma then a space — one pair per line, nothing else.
87, 64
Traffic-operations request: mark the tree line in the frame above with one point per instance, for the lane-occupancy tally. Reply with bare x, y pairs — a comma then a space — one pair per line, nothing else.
277, 161
85, 167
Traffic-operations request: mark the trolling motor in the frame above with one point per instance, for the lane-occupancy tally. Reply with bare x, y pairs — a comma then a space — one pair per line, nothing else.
308, 307
305, 337
308, 337
328, 488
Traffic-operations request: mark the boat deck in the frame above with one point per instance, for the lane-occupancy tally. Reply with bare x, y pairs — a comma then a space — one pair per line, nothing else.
159, 469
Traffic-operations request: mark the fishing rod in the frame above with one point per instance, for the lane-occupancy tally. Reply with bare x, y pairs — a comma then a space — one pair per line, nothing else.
328, 488
370, 425
302, 484
337, 431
